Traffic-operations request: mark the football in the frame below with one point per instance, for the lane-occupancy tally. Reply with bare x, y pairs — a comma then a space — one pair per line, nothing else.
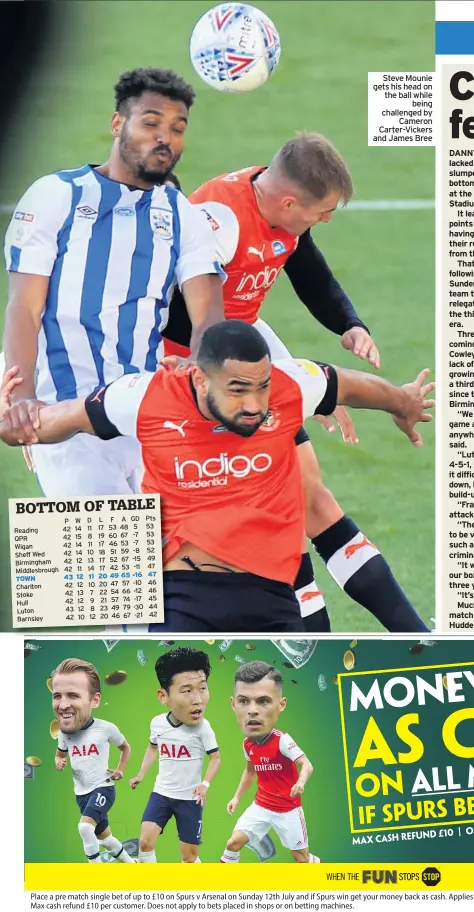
234, 47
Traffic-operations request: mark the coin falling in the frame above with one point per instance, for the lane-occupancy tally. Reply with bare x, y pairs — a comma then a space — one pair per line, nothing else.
287, 665
54, 729
322, 683
352, 644
250, 646
210, 642
445, 682
221, 658
335, 680
33, 761
116, 677
293, 681
349, 660
49, 684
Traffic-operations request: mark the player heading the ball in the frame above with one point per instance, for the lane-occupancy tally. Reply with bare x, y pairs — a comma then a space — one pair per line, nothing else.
181, 738
76, 693
281, 767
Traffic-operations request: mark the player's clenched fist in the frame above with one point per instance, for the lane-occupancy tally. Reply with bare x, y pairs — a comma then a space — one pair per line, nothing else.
23, 420
297, 789
134, 782
232, 805
60, 763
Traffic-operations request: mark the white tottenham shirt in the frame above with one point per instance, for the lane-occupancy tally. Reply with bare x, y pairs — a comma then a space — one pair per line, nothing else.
181, 750
88, 751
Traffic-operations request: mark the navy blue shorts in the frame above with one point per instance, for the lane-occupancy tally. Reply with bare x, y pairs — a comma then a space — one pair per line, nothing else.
188, 816
205, 601
97, 804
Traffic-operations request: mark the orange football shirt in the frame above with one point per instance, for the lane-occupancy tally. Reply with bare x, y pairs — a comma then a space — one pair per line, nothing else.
228, 494
261, 250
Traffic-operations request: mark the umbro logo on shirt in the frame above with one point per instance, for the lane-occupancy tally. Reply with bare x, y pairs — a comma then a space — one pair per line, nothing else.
86, 212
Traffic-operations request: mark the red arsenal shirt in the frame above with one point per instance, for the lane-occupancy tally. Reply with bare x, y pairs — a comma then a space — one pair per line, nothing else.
274, 762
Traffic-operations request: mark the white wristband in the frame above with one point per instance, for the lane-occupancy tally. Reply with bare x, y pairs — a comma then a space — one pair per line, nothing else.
206, 783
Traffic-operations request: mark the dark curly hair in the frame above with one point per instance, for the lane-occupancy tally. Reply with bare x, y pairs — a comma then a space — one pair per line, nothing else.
134, 83
178, 660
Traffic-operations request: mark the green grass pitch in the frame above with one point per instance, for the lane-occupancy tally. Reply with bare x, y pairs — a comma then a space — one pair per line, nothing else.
384, 259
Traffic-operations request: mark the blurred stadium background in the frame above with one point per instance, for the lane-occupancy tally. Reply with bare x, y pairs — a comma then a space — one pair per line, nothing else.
383, 258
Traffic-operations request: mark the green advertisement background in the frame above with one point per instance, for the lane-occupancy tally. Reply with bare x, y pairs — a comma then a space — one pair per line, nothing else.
312, 717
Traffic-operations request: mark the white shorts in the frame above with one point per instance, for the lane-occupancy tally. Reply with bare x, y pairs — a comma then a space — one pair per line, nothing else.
86, 466
290, 826
276, 346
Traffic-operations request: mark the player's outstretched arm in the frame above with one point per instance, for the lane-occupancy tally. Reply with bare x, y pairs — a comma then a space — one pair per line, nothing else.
56, 423
305, 771
149, 759
205, 306
60, 759
408, 403
245, 783
200, 792
125, 751
321, 293
26, 301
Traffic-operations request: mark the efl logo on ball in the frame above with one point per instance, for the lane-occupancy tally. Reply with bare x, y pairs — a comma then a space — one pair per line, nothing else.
234, 47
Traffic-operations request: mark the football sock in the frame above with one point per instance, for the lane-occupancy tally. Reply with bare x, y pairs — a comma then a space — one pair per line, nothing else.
313, 859
146, 857
89, 841
196, 861
115, 847
310, 598
230, 857
362, 572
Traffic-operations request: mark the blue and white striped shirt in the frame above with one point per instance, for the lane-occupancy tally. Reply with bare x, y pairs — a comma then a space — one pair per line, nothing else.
113, 255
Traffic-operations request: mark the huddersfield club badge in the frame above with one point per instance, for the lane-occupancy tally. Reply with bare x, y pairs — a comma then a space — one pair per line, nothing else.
162, 222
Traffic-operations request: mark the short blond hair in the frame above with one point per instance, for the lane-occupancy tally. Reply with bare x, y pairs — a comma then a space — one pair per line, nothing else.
69, 666
312, 163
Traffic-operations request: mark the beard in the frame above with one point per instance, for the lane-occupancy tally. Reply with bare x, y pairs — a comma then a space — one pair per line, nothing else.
142, 168
232, 424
